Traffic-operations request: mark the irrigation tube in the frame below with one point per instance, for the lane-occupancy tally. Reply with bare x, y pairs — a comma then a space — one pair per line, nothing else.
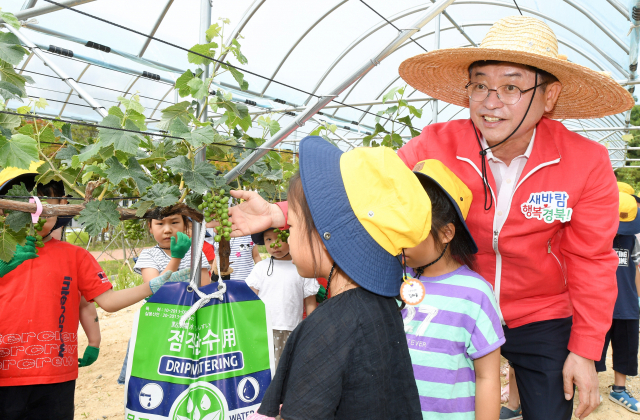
311, 110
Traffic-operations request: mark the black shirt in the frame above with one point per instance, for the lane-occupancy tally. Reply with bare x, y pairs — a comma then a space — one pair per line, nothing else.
348, 360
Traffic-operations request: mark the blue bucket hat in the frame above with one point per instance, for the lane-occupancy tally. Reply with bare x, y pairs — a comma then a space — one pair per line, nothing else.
367, 206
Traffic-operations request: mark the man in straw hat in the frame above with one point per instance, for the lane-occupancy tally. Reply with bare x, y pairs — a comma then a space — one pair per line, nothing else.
546, 206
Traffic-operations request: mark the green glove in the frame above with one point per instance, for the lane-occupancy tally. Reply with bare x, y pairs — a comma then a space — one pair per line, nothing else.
22, 254
321, 295
183, 276
90, 355
180, 247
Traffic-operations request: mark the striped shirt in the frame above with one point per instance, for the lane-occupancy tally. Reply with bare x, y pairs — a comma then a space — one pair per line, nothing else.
241, 257
456, 323
156, 258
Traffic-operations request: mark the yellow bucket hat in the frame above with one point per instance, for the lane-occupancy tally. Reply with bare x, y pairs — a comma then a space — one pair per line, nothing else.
625, 188
457, 191
9, 173
628, 207
367, 207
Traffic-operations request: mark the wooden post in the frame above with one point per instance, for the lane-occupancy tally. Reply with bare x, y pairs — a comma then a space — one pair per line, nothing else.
224, 250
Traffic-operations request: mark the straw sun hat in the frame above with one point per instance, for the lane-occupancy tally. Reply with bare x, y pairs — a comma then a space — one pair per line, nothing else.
443, 74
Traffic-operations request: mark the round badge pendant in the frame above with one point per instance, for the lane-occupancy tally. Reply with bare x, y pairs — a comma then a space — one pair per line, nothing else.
412, 291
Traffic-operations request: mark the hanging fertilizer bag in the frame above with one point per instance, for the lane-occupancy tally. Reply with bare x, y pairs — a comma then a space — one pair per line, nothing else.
199, 354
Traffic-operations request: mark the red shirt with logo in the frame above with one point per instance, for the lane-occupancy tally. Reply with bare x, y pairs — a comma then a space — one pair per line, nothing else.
39, 314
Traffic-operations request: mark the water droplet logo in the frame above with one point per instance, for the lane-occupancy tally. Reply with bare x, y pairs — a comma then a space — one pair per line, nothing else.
248, 389
201, 401
151, 396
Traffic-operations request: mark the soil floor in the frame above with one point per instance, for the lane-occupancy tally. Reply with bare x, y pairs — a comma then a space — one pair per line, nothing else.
99, 397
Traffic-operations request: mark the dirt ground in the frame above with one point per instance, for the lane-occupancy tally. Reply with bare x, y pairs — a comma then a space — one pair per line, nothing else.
99, 397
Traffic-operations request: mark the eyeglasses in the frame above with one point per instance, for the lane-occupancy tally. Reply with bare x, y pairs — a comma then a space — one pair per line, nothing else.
508, 94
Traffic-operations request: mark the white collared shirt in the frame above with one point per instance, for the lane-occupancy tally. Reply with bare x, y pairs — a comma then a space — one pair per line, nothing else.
506, 178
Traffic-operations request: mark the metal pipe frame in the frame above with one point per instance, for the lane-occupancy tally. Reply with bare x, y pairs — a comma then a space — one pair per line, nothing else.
43, 10
619, 7
431, 13
57, 70
28, 4
599, 24
155, 27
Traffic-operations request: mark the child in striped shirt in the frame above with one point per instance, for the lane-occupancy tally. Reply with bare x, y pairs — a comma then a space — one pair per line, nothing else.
454, 332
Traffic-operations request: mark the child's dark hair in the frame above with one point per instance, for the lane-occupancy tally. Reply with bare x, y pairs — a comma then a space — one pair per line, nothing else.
443, 212
298, 203
51, 189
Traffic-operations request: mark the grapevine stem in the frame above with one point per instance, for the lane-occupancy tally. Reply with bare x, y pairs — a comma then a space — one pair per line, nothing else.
184, 195
104, 191
57, 172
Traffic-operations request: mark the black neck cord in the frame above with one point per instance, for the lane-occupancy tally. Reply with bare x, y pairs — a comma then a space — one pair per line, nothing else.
330, 275
420, 270
483, 152
270, 268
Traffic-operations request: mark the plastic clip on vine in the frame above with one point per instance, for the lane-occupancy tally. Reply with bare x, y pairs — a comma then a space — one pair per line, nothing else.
204, 298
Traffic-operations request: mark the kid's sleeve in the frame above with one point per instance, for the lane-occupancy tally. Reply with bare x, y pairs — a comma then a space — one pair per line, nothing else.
145, 260
92, 281
311, 287
487, 334
254, 279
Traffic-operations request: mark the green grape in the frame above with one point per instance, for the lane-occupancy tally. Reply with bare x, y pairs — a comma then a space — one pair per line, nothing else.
201, 207
227, 236
222, 191
217, 238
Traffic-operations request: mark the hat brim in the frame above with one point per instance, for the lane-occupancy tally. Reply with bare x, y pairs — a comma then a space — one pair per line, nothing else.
351, 247
258, 238
636, 198
474, 247
443, 74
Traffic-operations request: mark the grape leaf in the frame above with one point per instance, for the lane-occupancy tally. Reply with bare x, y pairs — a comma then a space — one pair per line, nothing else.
143, 206
18, 151
8, 74
10, 19
122, 140
97, 215
132, 104
204, 49
162, 195
89, 151
200, 177
244, 85
200, 136
17, 220
10, 49
213, 31
116, 173
182, 83
10, 91
198, 88
9, 121
67, 153
137, 118
176, 118
9, 240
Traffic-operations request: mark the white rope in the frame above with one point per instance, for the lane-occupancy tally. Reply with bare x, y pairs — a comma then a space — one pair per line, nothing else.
632, 28
204, 298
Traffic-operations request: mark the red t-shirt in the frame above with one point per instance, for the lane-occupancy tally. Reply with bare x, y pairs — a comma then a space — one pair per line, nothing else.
39, 314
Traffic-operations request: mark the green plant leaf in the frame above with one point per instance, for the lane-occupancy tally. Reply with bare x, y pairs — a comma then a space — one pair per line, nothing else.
244, 85
198, 87
204, 49
415, 111
116, 111
132, 103
18, 151
137, 118
414, 132
143, 206
8, 74
9, 240
10, 91
199, 137
116, 173
89, 151
213, 31
182, 83
9, 122
10, 49
97, 215
162, 195
176, 118
406, 120
10, 19
121, 140
199, 177
390, 94
17, 220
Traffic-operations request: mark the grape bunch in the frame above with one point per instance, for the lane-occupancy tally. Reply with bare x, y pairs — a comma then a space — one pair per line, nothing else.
215, 207
133, 230
162, 175
283, 236
37, 227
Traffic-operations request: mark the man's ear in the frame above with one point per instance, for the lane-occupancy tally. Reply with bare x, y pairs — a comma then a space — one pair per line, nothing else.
551, 94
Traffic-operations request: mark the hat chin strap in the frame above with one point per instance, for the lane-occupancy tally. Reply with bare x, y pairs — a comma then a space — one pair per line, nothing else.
483, 152
420, 270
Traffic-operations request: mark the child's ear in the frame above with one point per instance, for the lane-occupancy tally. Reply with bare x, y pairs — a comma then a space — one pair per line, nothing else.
64, 201
447, 233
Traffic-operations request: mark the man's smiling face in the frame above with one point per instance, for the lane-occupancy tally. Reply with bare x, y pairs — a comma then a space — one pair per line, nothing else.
495, 120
